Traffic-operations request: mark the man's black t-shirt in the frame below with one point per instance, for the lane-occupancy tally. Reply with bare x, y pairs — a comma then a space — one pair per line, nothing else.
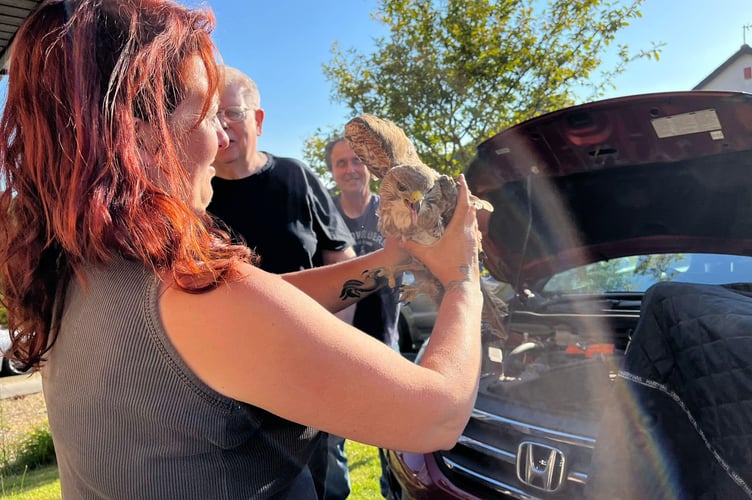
283, 212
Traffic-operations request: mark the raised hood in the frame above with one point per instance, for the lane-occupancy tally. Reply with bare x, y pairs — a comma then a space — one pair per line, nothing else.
668, 172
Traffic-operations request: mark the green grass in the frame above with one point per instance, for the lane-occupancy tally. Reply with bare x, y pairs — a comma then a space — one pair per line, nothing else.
40, 484
27, 469
44, 484
365, 470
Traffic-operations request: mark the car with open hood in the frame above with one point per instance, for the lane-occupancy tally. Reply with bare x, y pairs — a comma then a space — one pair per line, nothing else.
593, 205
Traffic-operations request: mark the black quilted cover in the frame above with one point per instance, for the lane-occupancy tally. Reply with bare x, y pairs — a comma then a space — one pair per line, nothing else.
680, 422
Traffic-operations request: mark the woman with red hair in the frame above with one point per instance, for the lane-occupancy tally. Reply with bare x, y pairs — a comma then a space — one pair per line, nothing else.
172, 366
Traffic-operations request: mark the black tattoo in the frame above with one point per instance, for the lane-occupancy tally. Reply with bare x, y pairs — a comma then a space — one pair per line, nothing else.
353, 289
374, 279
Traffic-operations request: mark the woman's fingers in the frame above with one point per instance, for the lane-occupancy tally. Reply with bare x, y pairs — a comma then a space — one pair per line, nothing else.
457, 249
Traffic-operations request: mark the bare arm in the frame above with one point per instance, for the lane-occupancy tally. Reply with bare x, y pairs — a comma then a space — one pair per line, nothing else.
339, 285
332, 257
264, 341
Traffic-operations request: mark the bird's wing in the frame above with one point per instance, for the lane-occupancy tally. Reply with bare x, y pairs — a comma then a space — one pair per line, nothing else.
380, 144
448, 189
446, 192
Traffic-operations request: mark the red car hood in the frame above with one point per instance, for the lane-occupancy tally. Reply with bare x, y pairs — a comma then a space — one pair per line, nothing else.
669, 172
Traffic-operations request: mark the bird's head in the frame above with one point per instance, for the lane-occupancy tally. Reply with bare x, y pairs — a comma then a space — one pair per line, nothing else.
407, 185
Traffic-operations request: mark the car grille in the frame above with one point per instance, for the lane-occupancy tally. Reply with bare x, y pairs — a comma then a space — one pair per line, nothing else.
485, 460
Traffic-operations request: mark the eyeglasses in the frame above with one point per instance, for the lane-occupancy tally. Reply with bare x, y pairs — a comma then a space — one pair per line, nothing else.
232, 113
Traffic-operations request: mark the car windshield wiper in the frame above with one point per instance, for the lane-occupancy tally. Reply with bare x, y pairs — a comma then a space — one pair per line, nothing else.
611, 301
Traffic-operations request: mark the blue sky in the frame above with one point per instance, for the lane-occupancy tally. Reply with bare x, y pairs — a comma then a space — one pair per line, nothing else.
282, 45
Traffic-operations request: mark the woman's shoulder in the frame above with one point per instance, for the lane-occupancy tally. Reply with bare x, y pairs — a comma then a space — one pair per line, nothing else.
242, 280
244, 300
251, 286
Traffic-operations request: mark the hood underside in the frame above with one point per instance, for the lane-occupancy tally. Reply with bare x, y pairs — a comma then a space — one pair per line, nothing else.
654, 173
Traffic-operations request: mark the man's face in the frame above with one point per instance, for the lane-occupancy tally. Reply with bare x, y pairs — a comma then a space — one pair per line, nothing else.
243, 134
348, 172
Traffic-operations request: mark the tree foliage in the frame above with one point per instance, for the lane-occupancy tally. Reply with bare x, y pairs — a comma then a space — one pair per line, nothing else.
624, 274
454, 72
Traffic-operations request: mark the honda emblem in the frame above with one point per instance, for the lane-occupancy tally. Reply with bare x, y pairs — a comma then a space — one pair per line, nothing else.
540, 466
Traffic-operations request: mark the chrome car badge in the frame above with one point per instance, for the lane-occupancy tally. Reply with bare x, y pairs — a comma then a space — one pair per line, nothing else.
540, 466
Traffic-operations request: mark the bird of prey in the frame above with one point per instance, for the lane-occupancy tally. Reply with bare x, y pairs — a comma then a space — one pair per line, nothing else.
416, 201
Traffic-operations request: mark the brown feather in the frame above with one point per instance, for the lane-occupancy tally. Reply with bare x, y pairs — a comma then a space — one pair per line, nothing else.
380, 144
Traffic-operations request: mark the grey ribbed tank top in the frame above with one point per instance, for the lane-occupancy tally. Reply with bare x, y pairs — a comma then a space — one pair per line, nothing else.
130, 420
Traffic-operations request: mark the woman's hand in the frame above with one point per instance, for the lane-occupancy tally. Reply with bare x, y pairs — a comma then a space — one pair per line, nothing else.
454, 258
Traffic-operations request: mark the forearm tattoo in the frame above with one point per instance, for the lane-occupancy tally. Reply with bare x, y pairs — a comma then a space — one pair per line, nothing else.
454, 284
372, 280
465, 270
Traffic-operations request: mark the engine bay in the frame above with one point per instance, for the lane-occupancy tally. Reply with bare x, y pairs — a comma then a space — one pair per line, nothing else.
560, 356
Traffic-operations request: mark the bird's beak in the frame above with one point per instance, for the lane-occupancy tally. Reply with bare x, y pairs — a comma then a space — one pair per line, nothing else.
416, 200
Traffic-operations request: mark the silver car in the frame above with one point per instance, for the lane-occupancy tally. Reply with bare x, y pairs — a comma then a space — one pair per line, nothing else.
8, 367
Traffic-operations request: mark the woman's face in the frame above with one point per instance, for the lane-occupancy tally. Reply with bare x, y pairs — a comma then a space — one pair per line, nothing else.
197, 143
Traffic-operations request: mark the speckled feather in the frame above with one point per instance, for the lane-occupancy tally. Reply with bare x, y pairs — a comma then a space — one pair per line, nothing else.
380, 144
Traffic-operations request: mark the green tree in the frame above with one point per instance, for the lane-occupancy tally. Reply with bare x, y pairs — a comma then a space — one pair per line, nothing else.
454, 72
659, 267
623, 274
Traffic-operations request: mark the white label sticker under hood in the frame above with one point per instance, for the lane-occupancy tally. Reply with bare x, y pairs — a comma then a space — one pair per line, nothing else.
686, 123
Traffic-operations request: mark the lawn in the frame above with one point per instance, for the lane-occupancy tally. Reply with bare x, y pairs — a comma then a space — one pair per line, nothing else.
43, 484
39, 484
365, 470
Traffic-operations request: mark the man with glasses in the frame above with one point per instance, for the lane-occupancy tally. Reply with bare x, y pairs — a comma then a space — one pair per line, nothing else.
278, 205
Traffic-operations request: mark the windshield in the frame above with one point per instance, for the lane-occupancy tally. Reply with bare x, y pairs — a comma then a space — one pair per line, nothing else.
638, 272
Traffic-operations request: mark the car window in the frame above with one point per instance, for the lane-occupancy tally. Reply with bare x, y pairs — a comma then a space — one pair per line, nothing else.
638, 272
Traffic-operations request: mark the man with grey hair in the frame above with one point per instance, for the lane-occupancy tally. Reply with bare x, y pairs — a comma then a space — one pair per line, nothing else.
276, 205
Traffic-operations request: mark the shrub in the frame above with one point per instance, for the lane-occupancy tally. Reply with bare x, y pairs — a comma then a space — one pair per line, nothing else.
35, 449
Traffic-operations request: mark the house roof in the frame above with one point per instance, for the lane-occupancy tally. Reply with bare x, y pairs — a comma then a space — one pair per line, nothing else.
745, 49
12, 15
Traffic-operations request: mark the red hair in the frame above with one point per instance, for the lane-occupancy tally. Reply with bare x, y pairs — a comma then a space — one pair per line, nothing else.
76, 191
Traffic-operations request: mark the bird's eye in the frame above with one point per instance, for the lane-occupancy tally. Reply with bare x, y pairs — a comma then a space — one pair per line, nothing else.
401, 187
